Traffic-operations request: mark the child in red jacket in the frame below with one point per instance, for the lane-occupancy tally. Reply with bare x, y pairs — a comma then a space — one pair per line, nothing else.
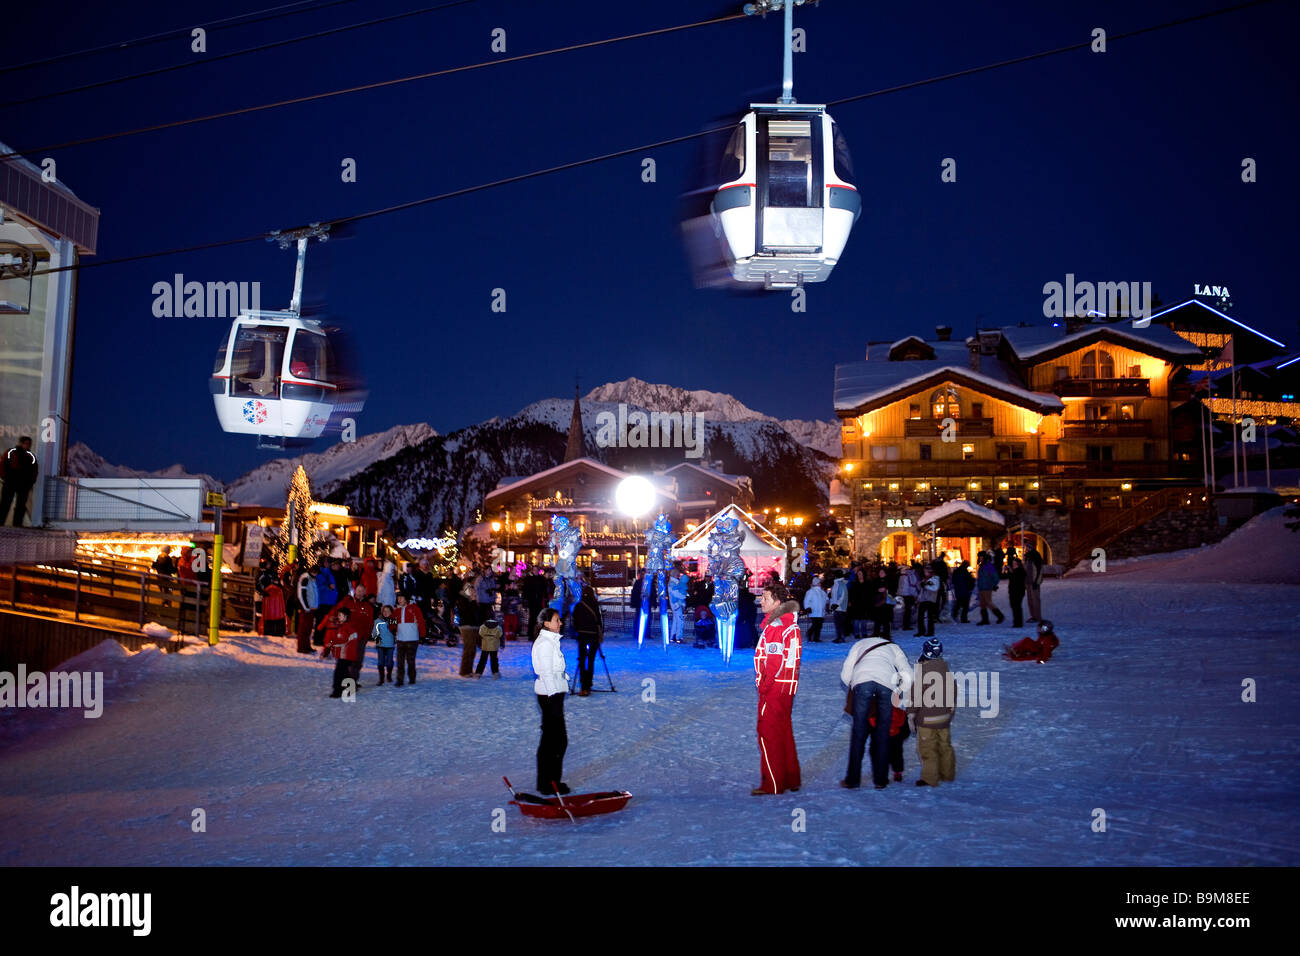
342, 643
898, 732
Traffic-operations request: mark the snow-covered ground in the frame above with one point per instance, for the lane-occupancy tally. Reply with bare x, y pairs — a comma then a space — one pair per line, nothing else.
1138, 714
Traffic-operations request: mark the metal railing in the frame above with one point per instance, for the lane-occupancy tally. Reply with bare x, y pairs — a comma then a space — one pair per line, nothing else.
126, 592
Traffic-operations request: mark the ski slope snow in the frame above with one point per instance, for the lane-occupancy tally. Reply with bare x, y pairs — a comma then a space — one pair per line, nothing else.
1139, 714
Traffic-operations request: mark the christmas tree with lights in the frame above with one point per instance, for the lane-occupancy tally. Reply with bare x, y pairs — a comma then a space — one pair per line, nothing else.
298, 516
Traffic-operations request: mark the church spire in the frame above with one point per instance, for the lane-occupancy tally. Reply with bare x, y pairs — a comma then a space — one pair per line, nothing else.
577, 446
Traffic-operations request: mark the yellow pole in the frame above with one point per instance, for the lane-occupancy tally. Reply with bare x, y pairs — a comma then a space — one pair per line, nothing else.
214, 595
293, 555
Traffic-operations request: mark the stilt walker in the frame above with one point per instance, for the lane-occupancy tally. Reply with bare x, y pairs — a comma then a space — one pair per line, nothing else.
726, 567
565, 543
658, 551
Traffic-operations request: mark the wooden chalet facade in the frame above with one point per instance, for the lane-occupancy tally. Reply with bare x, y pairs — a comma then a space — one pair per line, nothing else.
1040, 423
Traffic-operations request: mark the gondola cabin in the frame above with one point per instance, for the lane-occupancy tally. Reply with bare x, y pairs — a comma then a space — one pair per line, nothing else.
786, 204
273, 377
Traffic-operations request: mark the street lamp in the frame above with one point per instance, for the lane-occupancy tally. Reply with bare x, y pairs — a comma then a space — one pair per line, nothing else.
635, 496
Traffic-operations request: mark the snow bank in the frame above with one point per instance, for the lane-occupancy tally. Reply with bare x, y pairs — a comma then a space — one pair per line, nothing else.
1262, 551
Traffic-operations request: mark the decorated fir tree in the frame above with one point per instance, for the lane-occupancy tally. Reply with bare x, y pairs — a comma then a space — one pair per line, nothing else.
298, 507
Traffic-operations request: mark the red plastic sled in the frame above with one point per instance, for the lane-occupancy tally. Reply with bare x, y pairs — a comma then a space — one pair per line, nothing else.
570, 807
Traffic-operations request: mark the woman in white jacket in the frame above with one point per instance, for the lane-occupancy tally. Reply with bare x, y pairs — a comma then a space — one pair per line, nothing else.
388, 585
551, 686
840, 605
814, 603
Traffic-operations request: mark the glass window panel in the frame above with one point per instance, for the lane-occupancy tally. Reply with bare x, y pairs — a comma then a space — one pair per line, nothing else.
309, 357
257, 357
789, 164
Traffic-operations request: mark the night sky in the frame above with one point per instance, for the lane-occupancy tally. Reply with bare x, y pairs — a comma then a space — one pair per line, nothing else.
1122, 166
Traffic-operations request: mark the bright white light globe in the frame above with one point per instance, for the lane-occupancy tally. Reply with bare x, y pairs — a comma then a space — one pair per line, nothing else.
635, 496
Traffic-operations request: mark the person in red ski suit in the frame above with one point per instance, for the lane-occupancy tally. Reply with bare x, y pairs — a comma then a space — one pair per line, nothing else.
363, 616
776, 674
342, 643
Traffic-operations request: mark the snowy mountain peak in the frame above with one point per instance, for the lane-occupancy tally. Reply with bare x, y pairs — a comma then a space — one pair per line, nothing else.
268, 484
715, 406
83, 462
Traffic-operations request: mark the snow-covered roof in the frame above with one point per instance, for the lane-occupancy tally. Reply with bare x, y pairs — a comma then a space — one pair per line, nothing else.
729, 479
863, 383
960, 506
1028, 341
662, 487
1223, 315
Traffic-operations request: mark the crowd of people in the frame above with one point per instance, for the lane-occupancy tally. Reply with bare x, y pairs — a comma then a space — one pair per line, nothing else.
343, 605
866, 599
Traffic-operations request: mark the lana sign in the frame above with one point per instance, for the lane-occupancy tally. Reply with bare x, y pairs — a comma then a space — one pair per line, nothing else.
1214, 291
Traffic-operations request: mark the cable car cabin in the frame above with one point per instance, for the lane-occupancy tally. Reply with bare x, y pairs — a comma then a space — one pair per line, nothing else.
272, 378
786, 205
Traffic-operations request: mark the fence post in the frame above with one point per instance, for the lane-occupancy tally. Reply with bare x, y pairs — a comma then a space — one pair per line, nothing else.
198, 605
13, 590
144, 583
76, 601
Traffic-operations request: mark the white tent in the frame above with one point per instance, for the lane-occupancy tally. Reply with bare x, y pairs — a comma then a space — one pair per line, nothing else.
761, 552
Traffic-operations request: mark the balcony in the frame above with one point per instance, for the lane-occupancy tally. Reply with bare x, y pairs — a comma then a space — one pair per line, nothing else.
985, 468
931, 427
1107, 429
1102, 387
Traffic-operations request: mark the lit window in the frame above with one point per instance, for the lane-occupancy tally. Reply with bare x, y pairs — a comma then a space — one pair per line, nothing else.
1098, 363
945, 403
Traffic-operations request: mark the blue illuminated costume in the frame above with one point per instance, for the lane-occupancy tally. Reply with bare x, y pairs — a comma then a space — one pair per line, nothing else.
565, 543
658, 559
726, 567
